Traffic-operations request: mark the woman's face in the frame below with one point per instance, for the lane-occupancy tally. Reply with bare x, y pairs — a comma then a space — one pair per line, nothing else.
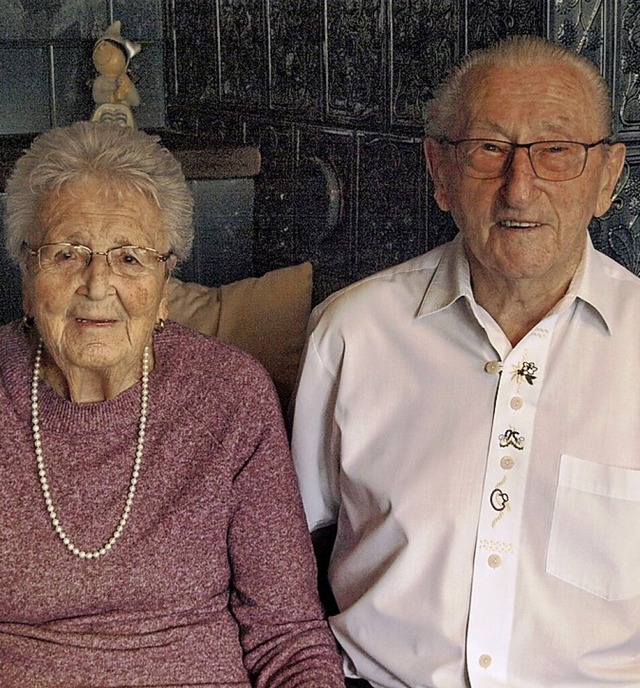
93, 320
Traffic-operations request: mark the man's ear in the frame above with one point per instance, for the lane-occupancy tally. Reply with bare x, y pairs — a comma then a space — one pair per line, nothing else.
436, 165
610, 174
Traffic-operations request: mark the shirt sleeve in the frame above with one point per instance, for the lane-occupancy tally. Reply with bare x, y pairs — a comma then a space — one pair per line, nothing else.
316, 438
284, 635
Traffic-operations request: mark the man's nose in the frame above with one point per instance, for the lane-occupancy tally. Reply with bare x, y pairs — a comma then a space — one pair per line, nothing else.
520, 179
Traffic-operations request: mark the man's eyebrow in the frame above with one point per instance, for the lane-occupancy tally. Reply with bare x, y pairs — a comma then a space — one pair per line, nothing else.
560, 127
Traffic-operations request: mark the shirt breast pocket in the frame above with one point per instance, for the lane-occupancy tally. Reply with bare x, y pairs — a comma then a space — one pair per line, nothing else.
595, 533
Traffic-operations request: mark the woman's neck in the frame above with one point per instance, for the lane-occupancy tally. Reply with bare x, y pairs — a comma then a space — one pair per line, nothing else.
84, 385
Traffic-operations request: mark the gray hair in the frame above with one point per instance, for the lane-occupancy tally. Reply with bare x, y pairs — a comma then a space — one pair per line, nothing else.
124, 158
443, 111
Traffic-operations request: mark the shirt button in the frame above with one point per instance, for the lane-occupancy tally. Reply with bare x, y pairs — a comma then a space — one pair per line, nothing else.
493, 366
484, 661
507, 463
516, 403
494, 561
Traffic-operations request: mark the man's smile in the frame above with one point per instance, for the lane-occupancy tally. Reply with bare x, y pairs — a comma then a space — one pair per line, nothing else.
514, 224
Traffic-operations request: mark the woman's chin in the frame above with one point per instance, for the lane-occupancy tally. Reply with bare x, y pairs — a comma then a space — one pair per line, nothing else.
99, 353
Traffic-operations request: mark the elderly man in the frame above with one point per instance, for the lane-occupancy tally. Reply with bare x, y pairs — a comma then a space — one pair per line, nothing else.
470, 420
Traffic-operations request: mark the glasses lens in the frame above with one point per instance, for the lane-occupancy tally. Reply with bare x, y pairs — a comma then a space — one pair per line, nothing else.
484, 158
127, 261
558, 160
132, 261
63, 257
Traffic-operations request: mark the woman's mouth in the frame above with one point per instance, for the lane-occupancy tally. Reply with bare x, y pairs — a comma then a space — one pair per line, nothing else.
94, 321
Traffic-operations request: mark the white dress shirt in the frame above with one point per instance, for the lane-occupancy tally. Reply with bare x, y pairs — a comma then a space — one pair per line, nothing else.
487, 497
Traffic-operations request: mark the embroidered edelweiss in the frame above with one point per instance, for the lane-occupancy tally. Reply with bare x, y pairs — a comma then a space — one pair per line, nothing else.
524, 371
511, 438
541, 332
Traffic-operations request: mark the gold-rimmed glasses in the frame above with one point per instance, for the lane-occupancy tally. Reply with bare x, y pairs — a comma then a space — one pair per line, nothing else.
125, 261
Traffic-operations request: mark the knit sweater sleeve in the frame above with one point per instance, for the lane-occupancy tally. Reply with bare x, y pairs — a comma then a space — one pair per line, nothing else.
285, 640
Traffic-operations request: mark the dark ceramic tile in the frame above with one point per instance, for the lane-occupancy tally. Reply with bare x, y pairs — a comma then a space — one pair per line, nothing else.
51, 19
13, 21
25, 104
73, 78
147, 72
223, 219
141, 21
10, 296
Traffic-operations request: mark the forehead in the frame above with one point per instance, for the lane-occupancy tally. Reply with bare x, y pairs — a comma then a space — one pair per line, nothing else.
528, 102
92, 211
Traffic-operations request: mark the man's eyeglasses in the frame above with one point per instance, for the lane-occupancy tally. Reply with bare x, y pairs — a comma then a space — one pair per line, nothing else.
555, 161
125, 261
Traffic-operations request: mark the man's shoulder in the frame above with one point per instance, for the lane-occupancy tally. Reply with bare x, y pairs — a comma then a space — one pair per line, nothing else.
613, 291
614, 270
404, 283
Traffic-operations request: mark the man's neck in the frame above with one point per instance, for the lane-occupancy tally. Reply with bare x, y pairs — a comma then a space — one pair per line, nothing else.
516, 305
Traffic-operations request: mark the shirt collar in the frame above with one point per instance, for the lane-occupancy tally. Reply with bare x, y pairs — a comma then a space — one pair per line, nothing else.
589, 285
452, 281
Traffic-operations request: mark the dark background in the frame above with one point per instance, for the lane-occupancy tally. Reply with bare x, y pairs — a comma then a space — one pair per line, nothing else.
330, 90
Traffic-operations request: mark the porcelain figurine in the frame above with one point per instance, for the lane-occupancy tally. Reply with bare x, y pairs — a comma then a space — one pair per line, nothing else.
113, 90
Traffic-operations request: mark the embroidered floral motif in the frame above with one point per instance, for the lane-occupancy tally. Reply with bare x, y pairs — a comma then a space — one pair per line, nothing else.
512, 438
525, 371
541, 332
496, 546
499, 499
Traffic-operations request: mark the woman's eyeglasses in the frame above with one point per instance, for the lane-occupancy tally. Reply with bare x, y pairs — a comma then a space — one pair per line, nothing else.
125, 261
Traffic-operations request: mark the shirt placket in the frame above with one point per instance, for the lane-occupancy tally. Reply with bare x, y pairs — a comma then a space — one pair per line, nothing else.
497, 546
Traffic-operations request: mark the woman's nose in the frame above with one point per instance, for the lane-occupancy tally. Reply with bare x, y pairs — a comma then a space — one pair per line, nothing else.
97, 275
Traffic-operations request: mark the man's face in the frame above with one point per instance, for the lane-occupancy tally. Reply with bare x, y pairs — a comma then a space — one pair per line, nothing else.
520, 226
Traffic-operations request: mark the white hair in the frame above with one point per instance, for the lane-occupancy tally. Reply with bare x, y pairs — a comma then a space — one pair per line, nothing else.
123, 159
446, 106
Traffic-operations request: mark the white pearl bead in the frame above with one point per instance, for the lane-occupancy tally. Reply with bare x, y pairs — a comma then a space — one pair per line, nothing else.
44, 485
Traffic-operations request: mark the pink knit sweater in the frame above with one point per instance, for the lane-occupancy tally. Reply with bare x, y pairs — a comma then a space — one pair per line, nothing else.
212, 582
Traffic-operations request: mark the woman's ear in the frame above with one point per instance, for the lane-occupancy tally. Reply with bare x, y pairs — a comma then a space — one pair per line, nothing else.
436, 164
171, 263
163, 306
27, 301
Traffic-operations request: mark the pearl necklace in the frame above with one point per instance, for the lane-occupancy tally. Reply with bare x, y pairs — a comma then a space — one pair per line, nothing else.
44, 484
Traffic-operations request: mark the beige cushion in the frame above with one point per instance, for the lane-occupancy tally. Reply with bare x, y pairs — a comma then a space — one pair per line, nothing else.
265, 316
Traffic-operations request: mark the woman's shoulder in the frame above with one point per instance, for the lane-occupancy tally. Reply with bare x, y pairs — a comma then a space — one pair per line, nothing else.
12, 332
210, 383
15, 364
179, 343
196, 359
13, 344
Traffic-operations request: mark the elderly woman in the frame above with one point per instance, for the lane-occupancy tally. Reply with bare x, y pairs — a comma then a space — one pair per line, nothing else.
151, 531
